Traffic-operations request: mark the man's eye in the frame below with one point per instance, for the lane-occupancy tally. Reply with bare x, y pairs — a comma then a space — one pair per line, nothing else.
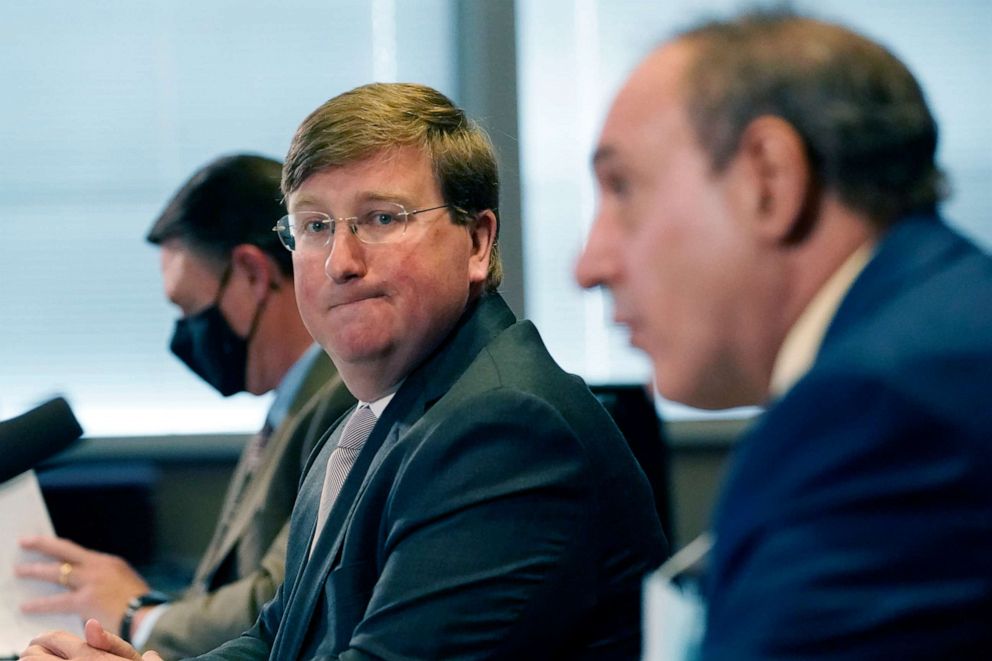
614, 184
381, 218
316, 226
612, 179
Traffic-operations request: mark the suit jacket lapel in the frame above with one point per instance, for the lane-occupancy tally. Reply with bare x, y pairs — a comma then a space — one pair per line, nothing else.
312, 571
243, 500
297, 586
228, 527
247, 503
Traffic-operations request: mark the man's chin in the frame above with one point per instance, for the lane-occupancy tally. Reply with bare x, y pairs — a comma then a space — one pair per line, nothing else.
359, 354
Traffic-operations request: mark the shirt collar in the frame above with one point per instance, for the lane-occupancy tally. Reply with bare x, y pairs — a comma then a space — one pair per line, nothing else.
289, 386
379, 405
802, 342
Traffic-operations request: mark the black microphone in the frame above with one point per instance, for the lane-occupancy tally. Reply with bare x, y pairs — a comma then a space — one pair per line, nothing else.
32, 437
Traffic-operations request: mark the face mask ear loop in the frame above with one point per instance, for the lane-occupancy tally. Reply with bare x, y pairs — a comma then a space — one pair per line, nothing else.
224, 278
258, 311
253, 328
258, 315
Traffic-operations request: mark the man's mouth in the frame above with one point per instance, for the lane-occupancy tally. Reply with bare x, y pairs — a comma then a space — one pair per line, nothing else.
351, 300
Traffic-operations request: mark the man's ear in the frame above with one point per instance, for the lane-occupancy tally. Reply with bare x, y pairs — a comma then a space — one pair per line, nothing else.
483, 233
775, 173
260, 272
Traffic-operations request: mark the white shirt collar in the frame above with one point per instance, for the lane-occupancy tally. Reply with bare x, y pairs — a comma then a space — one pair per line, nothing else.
379, 405
290, 385
802, 342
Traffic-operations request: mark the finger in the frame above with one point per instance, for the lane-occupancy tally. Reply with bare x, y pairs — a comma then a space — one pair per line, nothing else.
151, 655
55, 547
41, 571
57, 644
63, 602
37, 652
101, 639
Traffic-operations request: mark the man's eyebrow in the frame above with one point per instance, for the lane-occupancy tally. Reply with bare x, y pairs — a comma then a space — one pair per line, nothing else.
384, 196
365, 197
302, 201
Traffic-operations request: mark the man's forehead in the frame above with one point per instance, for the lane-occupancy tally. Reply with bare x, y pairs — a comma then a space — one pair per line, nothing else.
180, 258
174, 252
383, 174
653, 88
658, 78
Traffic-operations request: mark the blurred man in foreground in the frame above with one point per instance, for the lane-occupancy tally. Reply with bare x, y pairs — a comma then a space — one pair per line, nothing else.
240, 331
478, 502
768, 229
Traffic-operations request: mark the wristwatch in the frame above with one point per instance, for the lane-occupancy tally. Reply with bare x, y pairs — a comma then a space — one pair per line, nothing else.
153, 598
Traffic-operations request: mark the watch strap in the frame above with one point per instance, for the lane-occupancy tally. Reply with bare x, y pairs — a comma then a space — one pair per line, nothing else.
153, 598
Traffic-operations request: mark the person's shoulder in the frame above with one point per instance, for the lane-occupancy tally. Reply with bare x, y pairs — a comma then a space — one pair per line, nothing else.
917, 324
925, 276
917, 357
515, 367
517, 358
514, 378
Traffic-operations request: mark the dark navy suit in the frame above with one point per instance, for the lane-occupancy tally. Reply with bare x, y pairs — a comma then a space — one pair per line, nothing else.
857, 518
494, 513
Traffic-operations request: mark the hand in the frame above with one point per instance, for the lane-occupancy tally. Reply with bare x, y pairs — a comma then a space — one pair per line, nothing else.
99, 644
99, 585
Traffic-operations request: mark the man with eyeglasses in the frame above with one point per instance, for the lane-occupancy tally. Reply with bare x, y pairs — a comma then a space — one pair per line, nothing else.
478, 502
240, 331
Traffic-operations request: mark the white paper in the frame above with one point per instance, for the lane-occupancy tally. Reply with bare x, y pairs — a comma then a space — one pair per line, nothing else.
23, 513
673, 622
674, 616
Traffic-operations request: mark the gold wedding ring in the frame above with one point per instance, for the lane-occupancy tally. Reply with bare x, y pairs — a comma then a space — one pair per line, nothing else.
64, 570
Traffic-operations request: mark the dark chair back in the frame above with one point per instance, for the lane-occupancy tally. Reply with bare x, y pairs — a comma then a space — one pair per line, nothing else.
634, 413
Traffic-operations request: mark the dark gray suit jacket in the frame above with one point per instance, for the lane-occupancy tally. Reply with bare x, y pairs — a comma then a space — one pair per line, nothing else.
495, 512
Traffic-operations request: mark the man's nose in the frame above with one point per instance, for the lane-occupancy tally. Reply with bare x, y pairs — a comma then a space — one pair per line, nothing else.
346, 257
597, 264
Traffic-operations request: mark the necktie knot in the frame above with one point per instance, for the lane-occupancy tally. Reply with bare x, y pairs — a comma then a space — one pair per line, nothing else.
358, 428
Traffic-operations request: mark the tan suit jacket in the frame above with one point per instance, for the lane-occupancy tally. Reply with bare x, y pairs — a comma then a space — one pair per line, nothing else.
245, 561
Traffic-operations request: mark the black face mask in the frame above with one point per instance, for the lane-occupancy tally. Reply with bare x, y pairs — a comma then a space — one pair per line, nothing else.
210, 347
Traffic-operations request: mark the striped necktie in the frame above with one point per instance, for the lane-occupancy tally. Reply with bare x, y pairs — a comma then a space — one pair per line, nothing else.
356, 432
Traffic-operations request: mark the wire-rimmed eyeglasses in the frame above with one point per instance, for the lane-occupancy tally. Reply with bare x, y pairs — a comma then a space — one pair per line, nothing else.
308, 231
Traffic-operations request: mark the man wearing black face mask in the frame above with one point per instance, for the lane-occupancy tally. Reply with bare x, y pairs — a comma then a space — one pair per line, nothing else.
209, 346
240, 330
